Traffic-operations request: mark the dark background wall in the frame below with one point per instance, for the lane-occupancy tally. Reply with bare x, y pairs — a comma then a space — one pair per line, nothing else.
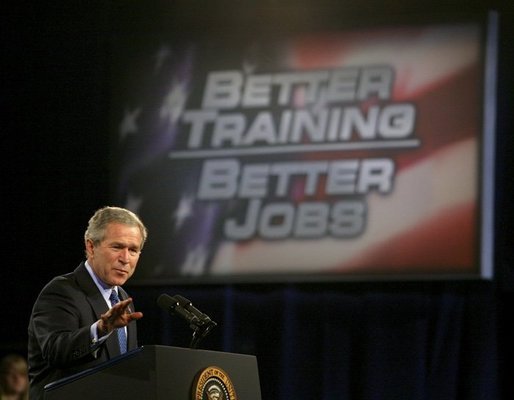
55, 148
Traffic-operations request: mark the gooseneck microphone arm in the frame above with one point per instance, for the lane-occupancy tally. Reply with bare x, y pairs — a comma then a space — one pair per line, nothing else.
199, 322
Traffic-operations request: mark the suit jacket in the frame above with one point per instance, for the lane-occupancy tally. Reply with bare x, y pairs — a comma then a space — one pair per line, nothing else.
60, 342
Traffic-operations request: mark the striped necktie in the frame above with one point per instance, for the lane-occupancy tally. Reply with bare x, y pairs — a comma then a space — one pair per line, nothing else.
122, 337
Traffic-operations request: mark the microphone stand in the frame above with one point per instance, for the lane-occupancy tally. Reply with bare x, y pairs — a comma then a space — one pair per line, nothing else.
199, 322
200, 331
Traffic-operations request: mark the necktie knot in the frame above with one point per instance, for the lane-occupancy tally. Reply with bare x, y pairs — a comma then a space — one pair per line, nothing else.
114, 297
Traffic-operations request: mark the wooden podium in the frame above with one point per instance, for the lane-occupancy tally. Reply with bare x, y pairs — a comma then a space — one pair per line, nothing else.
160, 372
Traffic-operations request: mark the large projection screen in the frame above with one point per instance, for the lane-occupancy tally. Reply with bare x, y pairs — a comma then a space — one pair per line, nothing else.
362, 154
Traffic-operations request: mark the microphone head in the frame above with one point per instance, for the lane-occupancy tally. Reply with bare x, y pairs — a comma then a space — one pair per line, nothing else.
166, 301
182, 300
198, 321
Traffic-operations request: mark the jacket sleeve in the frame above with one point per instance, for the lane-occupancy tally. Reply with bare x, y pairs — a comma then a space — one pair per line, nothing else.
61, 322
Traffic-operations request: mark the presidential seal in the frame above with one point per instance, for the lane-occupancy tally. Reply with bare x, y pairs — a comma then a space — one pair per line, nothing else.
212, 383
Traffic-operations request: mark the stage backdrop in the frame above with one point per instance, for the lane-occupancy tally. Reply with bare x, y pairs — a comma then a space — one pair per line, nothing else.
362, 154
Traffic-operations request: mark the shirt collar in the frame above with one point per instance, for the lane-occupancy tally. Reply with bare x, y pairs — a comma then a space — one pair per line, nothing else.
104, 289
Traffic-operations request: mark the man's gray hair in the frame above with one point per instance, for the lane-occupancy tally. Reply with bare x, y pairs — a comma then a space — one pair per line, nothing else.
97, 225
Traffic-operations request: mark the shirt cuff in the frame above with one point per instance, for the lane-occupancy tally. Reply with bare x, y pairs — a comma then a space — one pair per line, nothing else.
94, 335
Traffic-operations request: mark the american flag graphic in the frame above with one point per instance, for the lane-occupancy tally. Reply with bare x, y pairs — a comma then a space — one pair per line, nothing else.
427, 224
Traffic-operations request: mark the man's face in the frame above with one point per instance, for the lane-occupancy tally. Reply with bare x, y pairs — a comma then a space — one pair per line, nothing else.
114, 260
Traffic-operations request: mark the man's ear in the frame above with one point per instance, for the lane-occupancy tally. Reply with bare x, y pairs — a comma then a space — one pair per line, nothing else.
90, 248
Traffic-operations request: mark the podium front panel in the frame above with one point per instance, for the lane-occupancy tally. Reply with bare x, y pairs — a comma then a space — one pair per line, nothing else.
157, 372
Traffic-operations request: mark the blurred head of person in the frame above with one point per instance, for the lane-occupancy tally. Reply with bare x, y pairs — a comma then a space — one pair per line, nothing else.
14, 381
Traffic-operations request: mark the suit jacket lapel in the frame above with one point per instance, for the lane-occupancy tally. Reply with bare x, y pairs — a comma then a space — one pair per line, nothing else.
98, 305
93, 295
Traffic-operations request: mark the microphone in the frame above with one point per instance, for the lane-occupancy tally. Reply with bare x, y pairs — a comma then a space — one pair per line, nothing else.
186, 304
197, 320
173, 306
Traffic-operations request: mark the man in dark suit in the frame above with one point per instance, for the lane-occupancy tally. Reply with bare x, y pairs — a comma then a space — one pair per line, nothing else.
75, 324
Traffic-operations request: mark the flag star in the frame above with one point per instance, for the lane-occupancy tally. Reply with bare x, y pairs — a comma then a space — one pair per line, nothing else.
195, 261
128, 124
184, 210
174, 103
248, 67
161, 56
133, 202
